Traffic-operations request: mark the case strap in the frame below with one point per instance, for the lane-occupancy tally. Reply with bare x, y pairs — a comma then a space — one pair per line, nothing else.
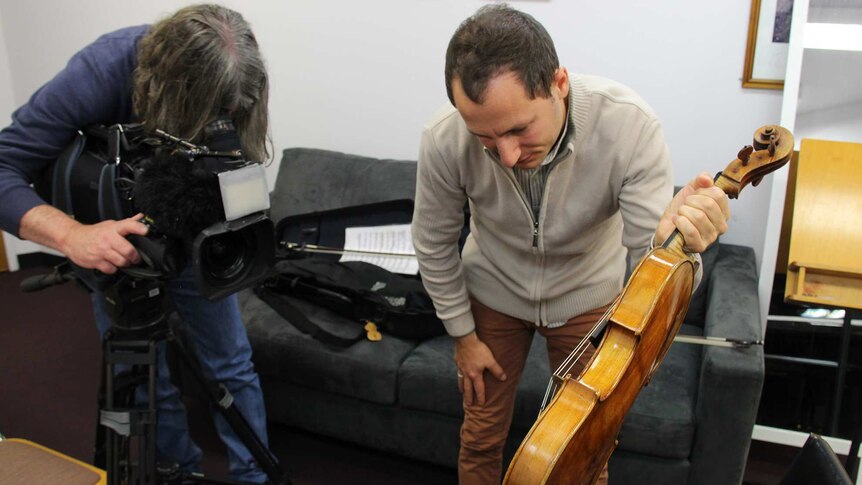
294, 316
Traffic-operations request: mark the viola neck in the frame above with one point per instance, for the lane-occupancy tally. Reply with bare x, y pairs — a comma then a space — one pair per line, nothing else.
676, 242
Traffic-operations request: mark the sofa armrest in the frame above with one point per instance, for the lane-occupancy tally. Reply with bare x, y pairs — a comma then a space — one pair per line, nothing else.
731, 378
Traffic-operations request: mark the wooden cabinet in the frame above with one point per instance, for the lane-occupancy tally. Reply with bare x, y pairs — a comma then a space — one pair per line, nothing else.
825, 254
4, 264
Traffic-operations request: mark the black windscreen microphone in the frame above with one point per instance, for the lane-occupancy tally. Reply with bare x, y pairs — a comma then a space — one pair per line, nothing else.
179, 193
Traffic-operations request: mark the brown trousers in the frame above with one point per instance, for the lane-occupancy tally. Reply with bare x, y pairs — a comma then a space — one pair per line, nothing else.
485, 427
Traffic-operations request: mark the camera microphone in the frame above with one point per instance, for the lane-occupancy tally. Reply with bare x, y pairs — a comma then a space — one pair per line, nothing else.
179, 193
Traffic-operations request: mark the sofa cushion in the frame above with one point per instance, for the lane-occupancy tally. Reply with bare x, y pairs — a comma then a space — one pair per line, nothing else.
311, 180
661, 422
697, 306
365, 370
428, 380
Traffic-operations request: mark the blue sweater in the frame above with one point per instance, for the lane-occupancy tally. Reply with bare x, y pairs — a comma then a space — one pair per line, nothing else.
94, 87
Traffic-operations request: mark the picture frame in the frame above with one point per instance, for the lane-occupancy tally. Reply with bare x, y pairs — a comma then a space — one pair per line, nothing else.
766, 48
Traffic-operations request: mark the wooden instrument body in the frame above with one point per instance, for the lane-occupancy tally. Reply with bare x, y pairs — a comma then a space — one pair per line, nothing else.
640, 330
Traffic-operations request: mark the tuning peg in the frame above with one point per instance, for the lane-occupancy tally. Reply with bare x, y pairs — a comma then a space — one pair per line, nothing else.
756, 182
764, 136
745, 154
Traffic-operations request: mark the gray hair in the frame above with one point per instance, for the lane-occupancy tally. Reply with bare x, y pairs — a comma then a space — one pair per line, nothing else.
201, 63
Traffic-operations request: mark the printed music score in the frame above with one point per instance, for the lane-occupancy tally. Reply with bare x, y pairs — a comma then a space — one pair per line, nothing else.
393, 246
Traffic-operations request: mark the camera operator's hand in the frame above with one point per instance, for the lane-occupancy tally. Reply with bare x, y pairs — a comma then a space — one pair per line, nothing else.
102, 246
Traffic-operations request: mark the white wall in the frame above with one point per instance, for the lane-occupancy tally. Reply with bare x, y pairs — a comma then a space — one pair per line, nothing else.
361, 77
13, 246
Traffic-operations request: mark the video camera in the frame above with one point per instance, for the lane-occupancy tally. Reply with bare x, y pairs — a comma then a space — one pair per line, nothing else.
206, 208
205, 205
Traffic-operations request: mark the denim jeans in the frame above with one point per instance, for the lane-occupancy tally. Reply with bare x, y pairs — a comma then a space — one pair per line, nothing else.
217, 338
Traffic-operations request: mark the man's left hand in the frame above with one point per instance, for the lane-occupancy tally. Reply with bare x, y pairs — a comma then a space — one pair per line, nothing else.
699, 210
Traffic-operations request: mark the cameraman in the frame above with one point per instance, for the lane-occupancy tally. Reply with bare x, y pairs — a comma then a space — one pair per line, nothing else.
178, 75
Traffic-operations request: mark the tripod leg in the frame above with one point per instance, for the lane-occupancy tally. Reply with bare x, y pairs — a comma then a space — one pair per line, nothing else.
123, 424
223, 400
99, 451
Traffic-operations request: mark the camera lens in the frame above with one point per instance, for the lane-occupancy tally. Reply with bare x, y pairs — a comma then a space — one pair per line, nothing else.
225, 258
229, 256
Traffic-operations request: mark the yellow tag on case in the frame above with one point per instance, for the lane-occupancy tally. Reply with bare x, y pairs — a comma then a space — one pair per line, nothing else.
371, 332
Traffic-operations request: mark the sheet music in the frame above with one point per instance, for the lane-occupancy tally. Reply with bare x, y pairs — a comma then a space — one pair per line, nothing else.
394, 239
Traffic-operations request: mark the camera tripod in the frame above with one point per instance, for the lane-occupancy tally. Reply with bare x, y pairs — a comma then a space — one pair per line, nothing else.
126, 437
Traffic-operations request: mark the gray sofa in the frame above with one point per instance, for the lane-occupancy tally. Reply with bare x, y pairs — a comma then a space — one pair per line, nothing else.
691, 425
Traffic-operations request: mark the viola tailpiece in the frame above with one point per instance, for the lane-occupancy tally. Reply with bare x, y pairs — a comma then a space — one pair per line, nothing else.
575, 433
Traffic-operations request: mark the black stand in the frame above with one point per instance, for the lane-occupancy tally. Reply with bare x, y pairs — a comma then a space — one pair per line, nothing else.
126, 440
852, 463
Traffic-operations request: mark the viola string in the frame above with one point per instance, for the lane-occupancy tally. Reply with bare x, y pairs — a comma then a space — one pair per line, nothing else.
579, 350
575, 355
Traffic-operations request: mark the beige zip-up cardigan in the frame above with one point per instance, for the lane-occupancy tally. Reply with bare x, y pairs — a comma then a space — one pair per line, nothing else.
603, 197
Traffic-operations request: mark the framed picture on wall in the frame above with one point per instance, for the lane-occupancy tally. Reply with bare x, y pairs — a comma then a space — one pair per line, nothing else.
766, 49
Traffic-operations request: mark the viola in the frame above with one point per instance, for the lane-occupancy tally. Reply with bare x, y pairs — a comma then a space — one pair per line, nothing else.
575, 433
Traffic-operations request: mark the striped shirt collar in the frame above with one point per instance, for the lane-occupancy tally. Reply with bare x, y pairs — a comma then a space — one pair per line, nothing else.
564, 139
552, 155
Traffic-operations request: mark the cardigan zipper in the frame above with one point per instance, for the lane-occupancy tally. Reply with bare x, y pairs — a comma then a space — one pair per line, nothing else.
535, 234
535, 229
